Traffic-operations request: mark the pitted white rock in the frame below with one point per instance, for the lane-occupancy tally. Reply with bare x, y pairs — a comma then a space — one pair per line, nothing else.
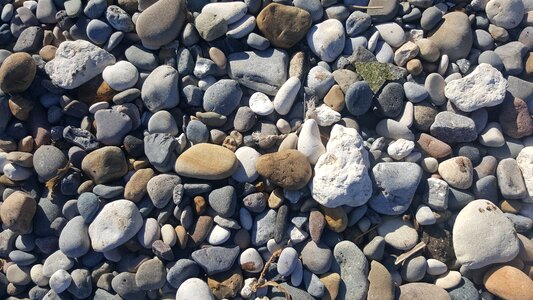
484, 87
341, 174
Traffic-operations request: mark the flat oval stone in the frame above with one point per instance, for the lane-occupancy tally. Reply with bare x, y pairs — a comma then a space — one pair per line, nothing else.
17, 72
283, 25
196, 162
105, 164
289, 169
508, 282
454, 36
170, 16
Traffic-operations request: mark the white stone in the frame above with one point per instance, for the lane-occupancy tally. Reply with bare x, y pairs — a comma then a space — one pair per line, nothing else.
218, 235
251, 261
114, 225
286, 95
77, 62
3, 161
484, 87
260, 104
230, 11
296, 235
194, 288
405, 53
341, 174
436, 267
483, 235
326, 39
16, 172
121, 76
449, 280
246, 171
98, 106
525, 163
437, 194
168, 235
320, 80
424, 216
326, 116
400, 148
309, 142
60, 281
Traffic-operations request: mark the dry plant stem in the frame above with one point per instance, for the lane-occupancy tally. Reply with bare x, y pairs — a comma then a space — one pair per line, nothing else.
366, 7
261, 281
51, 184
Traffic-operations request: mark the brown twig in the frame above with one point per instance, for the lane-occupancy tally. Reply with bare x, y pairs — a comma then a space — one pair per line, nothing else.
260, 283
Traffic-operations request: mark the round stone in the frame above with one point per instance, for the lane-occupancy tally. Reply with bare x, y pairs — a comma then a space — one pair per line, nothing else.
48, 161
121, 76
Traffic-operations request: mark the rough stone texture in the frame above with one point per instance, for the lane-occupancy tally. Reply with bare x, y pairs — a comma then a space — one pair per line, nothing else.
170, 16
515, 119
525, 162
283, 25
116, 223
341, 174
77, 62
289, 169
484, 87
483, 235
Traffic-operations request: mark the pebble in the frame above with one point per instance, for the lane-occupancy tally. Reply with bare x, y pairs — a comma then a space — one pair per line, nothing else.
414, 268
287, 261
506, 14
473, 220
171, 15
194, 162
309, 142
115, 224
215, 259
251, 261
394, 193
449, 280
508, 282
422, 290
286, 95
74, 239
194, 288
326, 39
262, 230
17, 212
380, 282
60, 281
352, 190
246, 170
458, 44
316, 258
283, 25
514, 118
277, 168
398, 233
453, 128
72, 56
17, 72
121, 76
260, 104
353, 270
391, 33
160, 89
112, 126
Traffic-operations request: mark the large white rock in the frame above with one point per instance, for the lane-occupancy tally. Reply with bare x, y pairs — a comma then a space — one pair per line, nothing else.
309, 142
77, 62
116, 223
484, 87
341, 174
483, 235
525, 163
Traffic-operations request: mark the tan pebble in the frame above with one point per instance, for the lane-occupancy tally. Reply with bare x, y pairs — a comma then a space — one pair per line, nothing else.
331, 282
199, 204
336, 218
508, 283
135, 189
335, 98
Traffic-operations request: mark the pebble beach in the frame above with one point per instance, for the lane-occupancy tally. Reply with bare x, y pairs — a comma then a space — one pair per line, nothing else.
266, 149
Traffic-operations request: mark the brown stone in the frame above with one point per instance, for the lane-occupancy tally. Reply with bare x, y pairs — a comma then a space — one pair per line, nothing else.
422, 291
526, 249
316, 225
135, 189
227, 284
181, 233
199, 205
336, 218
381, 285
414, 66
17, 212
515, 119
95, 90
457, 172
218, 57
508, 283
424, 115
335, 98
20, 107
48, 52
17, 72
528, 69
7, 144
22, 159
200, 231
276, 198
283, 25
511, 206
453, 36
26, 144
433, 146
206, 161
331, 282
105, 164
289, 169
